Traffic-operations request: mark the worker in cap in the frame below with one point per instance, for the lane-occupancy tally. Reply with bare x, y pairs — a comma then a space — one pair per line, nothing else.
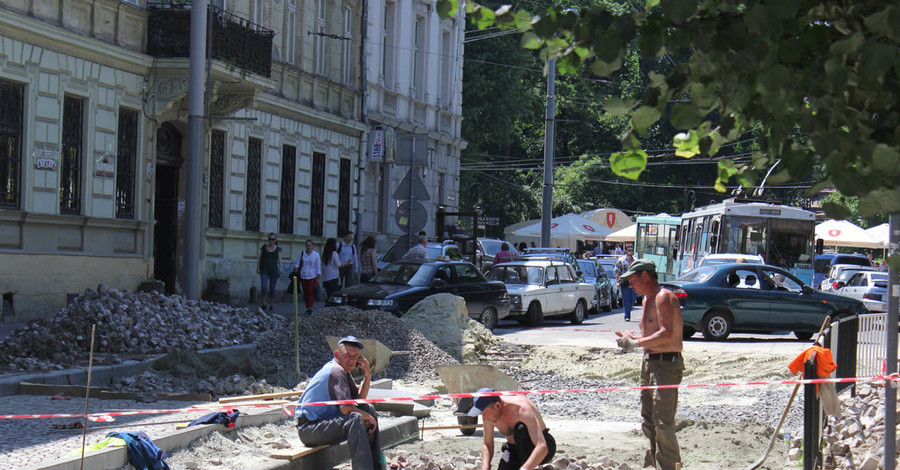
661, 337
332, 424
528, 442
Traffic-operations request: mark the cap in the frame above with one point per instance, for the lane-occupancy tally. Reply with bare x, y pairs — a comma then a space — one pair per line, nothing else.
351, 340
483, 402
639, 265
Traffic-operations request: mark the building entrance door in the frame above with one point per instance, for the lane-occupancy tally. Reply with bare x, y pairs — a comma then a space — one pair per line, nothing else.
165, 229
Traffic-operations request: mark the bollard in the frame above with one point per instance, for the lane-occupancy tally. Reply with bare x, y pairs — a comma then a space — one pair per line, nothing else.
811, 411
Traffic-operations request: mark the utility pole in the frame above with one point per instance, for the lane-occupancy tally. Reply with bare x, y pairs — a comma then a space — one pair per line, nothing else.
549, 143
192, 269
890, 393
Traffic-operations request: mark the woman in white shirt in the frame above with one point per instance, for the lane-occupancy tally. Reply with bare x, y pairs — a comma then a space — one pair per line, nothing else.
331, 267
310, 266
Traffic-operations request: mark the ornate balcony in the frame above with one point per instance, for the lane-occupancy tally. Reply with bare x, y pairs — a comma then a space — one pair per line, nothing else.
234, 40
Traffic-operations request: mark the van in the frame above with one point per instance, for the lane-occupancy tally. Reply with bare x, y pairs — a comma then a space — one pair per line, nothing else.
825, 261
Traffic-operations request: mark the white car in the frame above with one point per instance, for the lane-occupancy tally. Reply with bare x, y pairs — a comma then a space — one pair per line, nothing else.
728, 258
544, 288
869, 287
841, 273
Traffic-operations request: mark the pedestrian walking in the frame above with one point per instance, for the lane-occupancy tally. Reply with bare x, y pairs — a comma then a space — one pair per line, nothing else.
349, 259
331, 266
309, 265
368, 260
268, 266
661, 329
628, 295
418, 250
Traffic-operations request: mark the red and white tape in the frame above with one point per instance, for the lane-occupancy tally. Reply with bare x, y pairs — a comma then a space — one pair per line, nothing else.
894, 378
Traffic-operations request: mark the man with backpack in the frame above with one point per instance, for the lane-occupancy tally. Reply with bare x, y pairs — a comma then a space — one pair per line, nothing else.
349, 259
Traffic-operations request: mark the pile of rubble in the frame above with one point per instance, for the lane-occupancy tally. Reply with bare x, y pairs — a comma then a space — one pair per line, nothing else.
856, 440
417, 362
129, 322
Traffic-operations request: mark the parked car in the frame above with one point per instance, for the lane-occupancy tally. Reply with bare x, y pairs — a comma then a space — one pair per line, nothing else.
741, 298
594, 273
549, 253
609, 265
487, 248
727, 258
869, 287
448, 250
544, 288
402, 284
822, 264
841, 273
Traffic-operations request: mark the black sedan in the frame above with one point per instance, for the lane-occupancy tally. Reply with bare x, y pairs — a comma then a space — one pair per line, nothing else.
744, 298
401, 284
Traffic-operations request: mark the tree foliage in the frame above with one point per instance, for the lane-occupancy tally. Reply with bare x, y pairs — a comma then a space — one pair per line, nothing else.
817, 77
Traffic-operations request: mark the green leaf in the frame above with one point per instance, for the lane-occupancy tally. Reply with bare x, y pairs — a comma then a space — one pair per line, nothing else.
643, 118
618, 106
678, 11
836, 210
531, 41
628, 164
604, 69
687, 144
685, 116
848, 45
885, 159
447, 8
651, 3
880, 200
879, 22
877, 58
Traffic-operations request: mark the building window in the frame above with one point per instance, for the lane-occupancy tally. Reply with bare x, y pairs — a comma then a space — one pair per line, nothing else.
216, 178
11, 95
125, 163
286, 206
320, 37
440, 188
317, 196
419, 60
343, 221
347, 65
446, 69
388, 51
258, 12
290, 38
254, 165
71, 156
220, 4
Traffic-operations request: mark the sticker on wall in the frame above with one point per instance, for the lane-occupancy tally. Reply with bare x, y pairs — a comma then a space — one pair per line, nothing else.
45, 157
105, 165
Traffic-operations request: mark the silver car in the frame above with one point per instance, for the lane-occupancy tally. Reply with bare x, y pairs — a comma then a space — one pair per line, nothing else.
544, 288
869, 287
841, 273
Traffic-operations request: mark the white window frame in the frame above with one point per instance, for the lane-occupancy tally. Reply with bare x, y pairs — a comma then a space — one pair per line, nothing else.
258, 12
290, 39
389, 33
348, 33
321, 15
419, 65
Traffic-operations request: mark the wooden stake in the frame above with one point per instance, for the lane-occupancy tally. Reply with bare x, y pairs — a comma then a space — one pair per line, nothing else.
87, 394
296, 327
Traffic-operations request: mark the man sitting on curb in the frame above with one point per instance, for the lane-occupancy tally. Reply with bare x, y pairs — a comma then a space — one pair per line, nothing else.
528, 442
332, 424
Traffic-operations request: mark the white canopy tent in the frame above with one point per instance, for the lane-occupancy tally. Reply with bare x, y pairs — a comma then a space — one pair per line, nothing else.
627, 234
565, 231
881, 234
614, 219
843, 233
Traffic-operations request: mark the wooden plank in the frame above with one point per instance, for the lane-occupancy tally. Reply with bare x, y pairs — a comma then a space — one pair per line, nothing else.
74, 391
294, 454
107, 395
264, 396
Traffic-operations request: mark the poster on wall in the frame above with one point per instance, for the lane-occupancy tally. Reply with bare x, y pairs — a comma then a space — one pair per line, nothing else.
105, 165
45, 157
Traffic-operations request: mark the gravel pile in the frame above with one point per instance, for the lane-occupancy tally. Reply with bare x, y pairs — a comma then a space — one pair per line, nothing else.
394, 333
129, 322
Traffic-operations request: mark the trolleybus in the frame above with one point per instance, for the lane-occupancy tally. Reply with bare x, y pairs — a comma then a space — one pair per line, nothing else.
657, 240
783, 235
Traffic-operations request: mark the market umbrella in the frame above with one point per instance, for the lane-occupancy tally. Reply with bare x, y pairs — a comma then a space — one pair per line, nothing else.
565, 230
880, 233
843, 233
627, 234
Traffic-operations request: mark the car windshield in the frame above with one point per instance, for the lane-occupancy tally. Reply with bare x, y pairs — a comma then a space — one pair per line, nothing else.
588, 267
846, 274
516, 274
413, 274
610, 269
857, 260
699, 274
491, 247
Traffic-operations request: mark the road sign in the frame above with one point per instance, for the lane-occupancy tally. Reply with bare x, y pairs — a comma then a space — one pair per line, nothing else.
412, 149
489, 220
411, 217
412, 184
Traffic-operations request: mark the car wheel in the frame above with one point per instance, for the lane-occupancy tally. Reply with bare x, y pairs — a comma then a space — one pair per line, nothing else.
535, 316
577, 315
488, 318
803, 335
717, 325
467, 421
687, 332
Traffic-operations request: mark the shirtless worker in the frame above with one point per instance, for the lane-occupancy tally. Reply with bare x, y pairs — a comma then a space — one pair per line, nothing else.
660, 336
528, 442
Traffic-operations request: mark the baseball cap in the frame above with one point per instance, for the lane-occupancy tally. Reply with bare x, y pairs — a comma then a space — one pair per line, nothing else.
637, 266
351, 340
483, 402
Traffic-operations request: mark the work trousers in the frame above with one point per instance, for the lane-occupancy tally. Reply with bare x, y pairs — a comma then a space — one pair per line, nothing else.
658, 411
309, 291
514, 455
628, 298
365, 447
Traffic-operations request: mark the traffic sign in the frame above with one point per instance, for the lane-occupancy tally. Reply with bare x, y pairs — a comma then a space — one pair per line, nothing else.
412, 187
411, 217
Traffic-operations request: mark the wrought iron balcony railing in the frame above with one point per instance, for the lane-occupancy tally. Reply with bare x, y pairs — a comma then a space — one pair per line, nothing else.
234, 40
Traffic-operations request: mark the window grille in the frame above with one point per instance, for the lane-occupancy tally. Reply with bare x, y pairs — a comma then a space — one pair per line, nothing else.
254, 162
317, 196
11, 95
71, 159
216, 178
125, 163
344, 197
286, 205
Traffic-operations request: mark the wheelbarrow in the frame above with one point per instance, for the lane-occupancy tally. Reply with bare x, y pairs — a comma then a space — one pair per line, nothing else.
466, 378
376, 353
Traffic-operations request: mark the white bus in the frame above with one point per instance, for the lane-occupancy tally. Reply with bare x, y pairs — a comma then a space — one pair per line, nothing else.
783, 235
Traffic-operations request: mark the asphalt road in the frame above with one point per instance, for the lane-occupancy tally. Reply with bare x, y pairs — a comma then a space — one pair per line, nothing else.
599, 331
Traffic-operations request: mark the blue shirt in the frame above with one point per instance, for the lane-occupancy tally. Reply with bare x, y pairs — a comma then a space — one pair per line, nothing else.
329, 383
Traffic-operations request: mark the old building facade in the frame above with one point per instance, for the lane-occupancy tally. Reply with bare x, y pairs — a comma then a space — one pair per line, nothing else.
94, 122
